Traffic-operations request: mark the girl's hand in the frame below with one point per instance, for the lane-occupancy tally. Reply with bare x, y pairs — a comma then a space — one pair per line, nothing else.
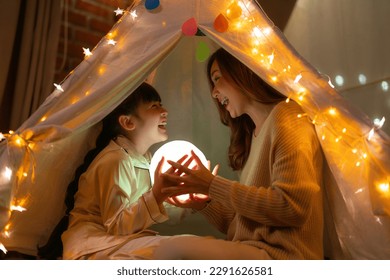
196, 180
161, 183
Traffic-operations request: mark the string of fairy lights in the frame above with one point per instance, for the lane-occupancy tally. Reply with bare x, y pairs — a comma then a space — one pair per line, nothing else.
237, 16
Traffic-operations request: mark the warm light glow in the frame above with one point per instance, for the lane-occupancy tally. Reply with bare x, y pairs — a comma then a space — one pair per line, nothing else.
256, 32
6, 233
271, 58
74, 100
102, 69
7, 173
43, 119
297, 78
19, 141
359, 190
267, 31
174, 150
234, 11
112, 34
384, 188
332, 111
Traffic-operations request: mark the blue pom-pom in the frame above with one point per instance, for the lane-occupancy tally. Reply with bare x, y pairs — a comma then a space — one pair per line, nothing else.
152, 4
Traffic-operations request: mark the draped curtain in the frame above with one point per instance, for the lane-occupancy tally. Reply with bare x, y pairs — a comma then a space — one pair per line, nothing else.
28, 55
349, 41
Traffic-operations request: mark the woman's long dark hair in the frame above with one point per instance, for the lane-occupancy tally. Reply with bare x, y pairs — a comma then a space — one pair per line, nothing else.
249, 84
110, 130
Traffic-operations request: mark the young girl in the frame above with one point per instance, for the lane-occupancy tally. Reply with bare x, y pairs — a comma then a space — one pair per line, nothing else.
275, 211
114, 203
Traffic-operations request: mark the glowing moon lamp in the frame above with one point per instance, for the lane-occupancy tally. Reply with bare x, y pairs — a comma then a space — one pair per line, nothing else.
174, 150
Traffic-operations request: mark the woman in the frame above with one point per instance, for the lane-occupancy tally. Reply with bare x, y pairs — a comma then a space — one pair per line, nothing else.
114, 203
275, 210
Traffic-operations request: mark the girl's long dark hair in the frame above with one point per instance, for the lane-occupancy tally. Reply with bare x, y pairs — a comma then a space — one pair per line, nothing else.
110, 130
249, 84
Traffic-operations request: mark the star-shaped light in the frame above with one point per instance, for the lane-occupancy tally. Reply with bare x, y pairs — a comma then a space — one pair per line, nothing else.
87, 52
59, 87
17, 208
379, 123
118, 11
2, 248
134, 14
111, 42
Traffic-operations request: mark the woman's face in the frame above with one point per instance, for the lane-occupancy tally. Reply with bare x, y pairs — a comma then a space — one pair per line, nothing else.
227, 93
151, 122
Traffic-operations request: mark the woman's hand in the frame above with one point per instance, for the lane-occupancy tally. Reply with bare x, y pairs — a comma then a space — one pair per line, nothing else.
161, 183
196, 180
192, 201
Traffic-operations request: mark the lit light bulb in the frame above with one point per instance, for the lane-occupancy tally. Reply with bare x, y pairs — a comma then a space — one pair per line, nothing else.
7, 173
297, 78
385, 86
384, 188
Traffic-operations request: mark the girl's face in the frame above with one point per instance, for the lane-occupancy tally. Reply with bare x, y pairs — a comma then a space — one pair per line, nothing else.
151, 122
227, 94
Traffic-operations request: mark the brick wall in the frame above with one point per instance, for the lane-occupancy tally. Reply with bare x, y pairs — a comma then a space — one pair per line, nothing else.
84, 23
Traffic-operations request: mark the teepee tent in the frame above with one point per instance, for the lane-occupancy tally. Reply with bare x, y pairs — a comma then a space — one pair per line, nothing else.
167, 43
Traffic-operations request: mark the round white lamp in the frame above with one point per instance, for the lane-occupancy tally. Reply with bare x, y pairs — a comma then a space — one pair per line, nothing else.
174, 150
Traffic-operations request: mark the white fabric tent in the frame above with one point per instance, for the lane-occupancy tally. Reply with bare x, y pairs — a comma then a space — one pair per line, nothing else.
39, 159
